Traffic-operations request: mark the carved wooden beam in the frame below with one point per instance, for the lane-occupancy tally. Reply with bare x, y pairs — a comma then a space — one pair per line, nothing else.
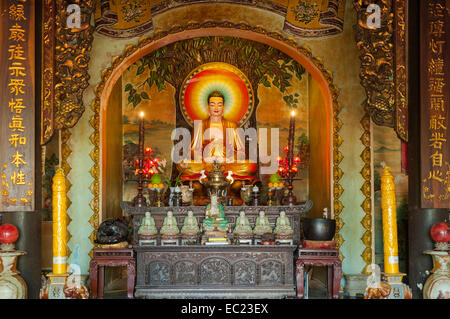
72, 49
384, 69
377, 61
401, 68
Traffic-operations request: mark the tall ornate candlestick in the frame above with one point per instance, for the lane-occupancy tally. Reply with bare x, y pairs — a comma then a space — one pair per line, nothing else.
290, 199
389, 216
140, 200
59, 275
59, 223
391, 275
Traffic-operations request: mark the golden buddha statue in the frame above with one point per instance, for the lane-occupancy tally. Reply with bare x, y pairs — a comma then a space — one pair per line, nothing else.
209, 144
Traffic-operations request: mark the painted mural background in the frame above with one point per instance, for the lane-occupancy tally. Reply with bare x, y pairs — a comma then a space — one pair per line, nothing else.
283, 86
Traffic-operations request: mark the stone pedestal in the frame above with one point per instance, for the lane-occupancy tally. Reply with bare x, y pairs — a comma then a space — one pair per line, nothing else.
148, 240
169, 240
189, 239
398, 289
56, 285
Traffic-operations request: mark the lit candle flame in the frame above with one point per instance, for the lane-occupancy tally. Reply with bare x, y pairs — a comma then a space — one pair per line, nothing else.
141, 114
292, 113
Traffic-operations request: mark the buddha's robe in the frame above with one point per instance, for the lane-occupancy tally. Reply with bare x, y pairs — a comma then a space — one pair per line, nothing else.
205, 148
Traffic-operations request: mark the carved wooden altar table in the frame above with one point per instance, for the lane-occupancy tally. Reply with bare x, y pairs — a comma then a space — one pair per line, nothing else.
319, 257
111, 257
215, 272
232, 271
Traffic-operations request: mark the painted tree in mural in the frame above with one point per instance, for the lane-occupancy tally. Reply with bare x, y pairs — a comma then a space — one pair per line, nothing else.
261, 64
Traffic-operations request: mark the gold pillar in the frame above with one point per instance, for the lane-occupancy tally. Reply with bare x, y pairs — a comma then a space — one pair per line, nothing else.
389, 210
59, 223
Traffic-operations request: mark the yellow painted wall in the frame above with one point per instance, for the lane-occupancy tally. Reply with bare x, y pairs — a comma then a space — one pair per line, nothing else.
319, 139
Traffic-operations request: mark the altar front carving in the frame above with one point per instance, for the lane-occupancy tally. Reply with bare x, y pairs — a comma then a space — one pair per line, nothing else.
215, 272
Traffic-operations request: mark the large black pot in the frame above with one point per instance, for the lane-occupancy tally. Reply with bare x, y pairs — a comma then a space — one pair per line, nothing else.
318, 228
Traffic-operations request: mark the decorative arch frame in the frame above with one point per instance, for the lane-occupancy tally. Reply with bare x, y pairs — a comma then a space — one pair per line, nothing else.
147, 45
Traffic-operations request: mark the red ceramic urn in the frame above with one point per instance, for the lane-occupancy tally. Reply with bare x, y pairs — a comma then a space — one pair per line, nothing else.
440, 232
8, 234
441, 236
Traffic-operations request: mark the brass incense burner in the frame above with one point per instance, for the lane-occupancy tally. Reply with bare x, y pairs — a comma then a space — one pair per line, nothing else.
217, 182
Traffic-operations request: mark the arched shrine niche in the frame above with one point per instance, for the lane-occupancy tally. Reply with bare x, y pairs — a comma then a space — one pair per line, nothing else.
149, 77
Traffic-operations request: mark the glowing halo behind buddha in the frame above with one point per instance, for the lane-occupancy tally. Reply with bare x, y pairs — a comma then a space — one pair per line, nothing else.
223, 77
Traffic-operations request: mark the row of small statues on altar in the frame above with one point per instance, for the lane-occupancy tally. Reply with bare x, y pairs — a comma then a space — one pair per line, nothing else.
242, 229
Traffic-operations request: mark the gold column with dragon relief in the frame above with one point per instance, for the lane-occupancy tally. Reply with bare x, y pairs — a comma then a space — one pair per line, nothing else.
59, 223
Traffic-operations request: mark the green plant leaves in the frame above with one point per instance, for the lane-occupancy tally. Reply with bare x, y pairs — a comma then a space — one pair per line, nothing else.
140, 70
145, 96
171, 63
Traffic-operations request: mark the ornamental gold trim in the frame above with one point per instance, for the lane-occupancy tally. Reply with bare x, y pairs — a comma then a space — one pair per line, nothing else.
95, 170
401, 68
144, 41
48, 70
65, 153
366, 189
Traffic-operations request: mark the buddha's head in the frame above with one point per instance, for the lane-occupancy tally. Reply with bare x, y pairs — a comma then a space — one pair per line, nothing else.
216, 104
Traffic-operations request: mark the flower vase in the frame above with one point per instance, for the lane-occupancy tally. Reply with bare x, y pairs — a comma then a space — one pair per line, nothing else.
12, 286
437, 285
171, 196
